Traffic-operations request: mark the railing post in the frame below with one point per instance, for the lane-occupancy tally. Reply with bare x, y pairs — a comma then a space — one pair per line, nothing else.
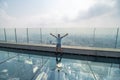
27, 35
40, 35
8, 54
5, 35
116, 37
42, 60
15, 36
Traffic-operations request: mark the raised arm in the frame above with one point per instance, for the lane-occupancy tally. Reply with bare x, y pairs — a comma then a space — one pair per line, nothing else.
64, 35
53, 35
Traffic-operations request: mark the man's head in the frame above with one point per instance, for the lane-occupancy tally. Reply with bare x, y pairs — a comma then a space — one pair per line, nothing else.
58, 35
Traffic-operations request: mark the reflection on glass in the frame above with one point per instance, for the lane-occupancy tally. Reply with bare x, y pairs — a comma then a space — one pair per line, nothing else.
32, 67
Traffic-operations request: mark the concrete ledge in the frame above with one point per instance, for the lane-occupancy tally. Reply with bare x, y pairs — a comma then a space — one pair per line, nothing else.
72, 50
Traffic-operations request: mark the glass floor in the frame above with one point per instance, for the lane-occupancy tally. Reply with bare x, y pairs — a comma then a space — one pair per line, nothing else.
18, 66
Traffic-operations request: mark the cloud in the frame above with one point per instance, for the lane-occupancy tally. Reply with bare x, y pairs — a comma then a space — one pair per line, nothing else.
118, 4
35, 20
100, 14
5, 19
100, 8
3, 4
117, 8
94, 11
43, 20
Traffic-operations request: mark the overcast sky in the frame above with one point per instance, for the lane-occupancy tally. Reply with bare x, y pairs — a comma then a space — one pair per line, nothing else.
59, 13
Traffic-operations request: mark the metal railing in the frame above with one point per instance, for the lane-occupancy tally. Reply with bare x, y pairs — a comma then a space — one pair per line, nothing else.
87, 37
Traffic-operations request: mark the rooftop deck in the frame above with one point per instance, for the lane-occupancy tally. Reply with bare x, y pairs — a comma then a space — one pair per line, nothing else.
69, 50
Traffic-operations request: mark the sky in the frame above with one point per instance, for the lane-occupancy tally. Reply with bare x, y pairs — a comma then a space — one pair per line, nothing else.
60, 13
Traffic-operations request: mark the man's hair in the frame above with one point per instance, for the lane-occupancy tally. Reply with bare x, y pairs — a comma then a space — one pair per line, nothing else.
58, 34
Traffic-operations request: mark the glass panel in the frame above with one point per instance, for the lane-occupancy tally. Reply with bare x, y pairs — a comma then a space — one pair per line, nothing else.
21, 35
2, 38
21, 67
6, 56
105, 37
10, 34
32, 67
80, 36
85, 37
47, 38
118, 39
34, 35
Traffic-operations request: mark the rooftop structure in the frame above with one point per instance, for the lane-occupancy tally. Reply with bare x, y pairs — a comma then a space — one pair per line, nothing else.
30, 56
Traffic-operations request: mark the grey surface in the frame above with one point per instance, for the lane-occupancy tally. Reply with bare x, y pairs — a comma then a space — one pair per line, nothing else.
106, 52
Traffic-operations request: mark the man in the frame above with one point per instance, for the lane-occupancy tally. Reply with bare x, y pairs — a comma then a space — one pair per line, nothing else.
58, 38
